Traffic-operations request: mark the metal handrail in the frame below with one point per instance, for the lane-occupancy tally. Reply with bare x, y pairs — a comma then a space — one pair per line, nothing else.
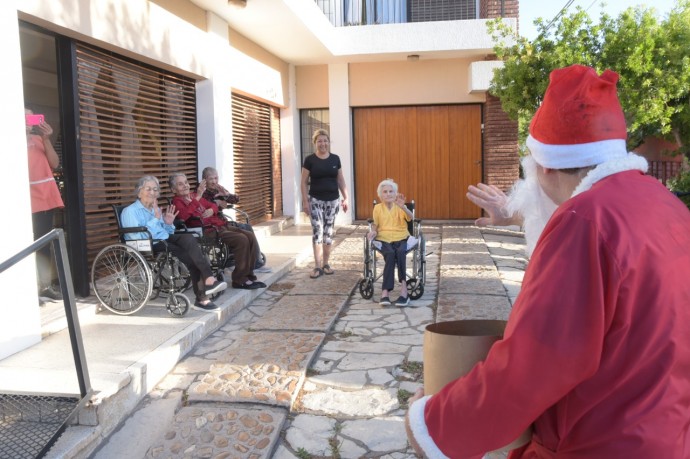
57, 238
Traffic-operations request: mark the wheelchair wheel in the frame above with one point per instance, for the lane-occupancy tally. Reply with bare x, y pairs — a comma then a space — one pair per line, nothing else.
170, 275
422, 261
368, 260
366, 288
216, 252
121, 279
177, 304
416, 288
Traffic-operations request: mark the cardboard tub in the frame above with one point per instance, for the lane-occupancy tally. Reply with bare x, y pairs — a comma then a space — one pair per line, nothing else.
452, 348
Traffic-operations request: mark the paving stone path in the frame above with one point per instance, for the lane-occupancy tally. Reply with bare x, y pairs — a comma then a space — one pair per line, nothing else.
312, 370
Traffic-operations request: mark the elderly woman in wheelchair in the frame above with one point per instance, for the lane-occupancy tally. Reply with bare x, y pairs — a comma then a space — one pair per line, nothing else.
196, 211
389, 234
144, 212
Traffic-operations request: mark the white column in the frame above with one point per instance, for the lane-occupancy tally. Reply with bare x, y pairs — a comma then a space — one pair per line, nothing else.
341, 129
291, 160
214, 113
20, 326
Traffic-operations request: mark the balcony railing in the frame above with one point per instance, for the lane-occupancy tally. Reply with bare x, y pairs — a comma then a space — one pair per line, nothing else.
664, 170
368, 12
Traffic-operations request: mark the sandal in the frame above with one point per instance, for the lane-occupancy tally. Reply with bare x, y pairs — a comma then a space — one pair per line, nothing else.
316, 273
327, 270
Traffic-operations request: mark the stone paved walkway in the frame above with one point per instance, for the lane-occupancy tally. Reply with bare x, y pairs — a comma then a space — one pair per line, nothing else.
310, 369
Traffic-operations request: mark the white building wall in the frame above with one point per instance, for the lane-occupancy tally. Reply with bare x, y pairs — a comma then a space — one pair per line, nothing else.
20, 326
214, 111
136, 28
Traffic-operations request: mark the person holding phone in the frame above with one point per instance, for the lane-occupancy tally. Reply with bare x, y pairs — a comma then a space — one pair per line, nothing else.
45, 196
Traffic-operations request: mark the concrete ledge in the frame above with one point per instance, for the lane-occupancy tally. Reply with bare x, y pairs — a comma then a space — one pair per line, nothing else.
266, 229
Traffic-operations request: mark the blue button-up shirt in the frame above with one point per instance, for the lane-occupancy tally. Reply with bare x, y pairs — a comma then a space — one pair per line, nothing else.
137, 215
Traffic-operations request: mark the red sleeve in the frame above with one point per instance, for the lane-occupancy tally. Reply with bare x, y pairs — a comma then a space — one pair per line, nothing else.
552, 342
205, 203
187, 210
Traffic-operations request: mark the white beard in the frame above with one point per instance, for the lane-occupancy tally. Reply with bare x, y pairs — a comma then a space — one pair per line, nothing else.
529, 200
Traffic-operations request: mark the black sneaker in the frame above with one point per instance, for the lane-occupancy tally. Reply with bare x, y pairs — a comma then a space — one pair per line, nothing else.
216, 287
210, 306
50, 293
385, 301
402, 301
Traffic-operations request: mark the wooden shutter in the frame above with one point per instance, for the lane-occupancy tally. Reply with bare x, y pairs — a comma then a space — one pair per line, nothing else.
255, 134
135, 120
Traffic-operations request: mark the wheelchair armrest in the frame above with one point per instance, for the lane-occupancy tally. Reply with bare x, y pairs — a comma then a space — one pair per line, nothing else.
244, 214
134, 229
179, 224
197, 230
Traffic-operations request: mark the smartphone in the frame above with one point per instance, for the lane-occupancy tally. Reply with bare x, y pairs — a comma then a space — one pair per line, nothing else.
34, 120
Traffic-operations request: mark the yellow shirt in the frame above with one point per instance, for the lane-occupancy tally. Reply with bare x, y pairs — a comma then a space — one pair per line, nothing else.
391, 224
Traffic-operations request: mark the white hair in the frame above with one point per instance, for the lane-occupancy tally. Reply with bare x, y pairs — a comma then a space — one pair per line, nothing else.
387, 182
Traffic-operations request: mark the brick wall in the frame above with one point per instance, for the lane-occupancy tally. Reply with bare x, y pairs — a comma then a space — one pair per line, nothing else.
501, 159
489, 9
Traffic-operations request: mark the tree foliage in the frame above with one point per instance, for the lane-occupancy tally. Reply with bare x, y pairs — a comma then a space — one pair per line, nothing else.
651, 55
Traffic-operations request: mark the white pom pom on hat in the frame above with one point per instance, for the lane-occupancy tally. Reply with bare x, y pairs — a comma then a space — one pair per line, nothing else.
580, 123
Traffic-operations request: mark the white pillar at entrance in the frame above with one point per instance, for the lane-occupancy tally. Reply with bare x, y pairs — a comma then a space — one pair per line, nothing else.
291, 159
341, 129
20, 326
214, 113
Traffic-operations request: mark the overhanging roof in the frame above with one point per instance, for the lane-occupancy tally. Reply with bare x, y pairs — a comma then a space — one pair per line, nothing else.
298, 32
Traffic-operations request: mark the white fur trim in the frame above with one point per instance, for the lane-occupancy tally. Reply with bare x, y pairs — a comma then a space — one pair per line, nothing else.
420, 432
627, 163
576, 155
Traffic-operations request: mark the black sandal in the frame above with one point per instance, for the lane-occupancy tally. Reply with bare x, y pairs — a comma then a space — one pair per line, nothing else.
316, 273
327, 270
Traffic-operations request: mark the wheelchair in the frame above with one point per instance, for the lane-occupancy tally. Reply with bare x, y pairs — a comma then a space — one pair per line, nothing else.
416, 273
126, 275
219, 254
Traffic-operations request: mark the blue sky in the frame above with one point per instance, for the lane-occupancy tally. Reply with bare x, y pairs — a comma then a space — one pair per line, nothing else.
532, 9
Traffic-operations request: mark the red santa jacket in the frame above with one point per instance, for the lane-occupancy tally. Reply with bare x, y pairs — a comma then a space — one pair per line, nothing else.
596, 353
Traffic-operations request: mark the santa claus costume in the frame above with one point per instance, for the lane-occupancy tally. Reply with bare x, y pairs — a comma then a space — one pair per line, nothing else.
596, 353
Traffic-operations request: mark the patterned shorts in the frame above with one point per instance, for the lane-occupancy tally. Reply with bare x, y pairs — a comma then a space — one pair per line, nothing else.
323, 219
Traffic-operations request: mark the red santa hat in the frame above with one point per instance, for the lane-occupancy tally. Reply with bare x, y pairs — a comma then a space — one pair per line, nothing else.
580, 123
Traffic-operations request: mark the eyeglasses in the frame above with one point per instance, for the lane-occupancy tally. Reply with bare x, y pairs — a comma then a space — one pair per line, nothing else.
148, 189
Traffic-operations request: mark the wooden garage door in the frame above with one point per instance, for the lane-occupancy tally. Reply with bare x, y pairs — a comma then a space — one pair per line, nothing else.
433, 153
